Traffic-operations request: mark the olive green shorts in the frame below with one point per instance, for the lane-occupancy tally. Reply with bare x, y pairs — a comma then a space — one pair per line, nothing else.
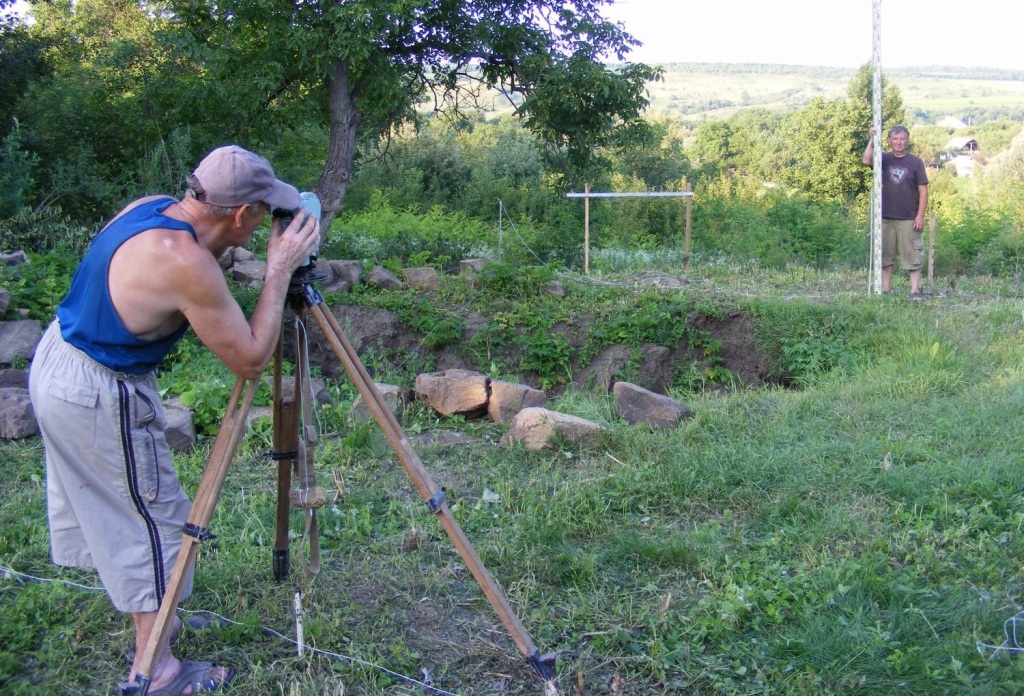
113, 498
900, 236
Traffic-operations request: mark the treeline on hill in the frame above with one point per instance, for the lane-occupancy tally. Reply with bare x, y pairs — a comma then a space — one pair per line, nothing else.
105, 102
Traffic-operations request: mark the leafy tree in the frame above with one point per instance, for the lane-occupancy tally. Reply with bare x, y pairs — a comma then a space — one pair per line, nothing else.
15, 173
21, 61
366, 64
830, 137
109, 100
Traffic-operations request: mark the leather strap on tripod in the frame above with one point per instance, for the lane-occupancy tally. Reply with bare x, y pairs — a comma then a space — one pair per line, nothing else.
306, 495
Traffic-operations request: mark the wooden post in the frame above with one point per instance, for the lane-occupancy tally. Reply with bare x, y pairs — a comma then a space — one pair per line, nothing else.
689, 207
586, 229
931, 247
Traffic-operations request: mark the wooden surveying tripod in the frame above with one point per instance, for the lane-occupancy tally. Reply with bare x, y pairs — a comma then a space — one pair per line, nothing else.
303, 296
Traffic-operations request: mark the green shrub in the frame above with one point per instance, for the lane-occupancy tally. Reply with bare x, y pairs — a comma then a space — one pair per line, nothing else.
381, 232
40, 284
43, 231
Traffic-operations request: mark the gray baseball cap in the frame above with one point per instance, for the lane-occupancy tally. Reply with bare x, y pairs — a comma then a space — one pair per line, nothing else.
232, 176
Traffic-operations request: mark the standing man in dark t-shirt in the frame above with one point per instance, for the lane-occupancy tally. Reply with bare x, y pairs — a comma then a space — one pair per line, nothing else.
904, 199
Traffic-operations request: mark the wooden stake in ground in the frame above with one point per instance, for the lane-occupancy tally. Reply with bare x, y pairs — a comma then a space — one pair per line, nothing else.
931, 247
689, 208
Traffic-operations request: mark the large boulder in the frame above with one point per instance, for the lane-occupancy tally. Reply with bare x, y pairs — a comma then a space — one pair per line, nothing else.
381, 278
425, 278
454, 392
538, 428
509, 398
639, 406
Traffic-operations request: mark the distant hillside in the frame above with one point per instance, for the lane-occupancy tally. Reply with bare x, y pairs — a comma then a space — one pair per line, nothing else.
700, 91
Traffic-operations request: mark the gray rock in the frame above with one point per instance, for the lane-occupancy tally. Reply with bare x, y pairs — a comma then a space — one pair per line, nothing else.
17, 419
639, 406
18, 339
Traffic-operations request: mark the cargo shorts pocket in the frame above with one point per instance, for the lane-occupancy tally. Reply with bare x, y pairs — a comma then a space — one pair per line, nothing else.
71, 410
145, 438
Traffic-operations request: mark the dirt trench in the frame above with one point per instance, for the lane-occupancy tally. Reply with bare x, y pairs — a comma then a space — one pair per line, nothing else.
385, 344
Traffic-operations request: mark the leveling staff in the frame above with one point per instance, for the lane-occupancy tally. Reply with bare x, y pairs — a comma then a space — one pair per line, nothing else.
113, 497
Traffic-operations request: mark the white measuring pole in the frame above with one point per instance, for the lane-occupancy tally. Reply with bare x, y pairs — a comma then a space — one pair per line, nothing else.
876, 186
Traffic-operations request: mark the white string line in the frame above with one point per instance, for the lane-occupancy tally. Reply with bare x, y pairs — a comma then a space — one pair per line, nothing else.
8, 573
503, 210
1012, 644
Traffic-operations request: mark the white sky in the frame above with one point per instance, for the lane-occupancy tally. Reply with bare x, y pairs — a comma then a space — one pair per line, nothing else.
837, 33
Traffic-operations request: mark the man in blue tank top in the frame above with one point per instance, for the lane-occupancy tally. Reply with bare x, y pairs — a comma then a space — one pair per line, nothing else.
113, 498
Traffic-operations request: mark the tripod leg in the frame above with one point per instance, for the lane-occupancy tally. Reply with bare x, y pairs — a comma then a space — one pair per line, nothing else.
196, 527
430, 493
286, 433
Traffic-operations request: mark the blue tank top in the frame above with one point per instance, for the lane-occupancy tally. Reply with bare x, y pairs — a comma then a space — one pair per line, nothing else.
88, 320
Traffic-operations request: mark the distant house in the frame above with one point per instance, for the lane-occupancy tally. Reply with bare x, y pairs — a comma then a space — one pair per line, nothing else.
962, 146
960, 154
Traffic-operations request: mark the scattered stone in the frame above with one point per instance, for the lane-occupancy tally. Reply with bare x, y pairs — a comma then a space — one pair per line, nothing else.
18, 339
181, 426
470, 267
316, 386
227, 259
256, 413
554, 288
454, 392
12, 377
17, 419
324, 272
538, 428
242, 255
441, 439
509, 398
336, 286
395, 398
14, 258
249, 272
380, 277
5, 300
639, 406
350, 272
423, 278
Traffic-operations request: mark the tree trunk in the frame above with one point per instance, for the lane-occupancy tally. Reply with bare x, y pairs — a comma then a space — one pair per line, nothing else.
341, 146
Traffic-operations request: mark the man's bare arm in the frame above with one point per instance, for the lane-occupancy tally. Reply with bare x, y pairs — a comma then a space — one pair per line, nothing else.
245, 346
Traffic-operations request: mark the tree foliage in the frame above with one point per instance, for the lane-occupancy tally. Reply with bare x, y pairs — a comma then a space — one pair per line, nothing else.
366, 64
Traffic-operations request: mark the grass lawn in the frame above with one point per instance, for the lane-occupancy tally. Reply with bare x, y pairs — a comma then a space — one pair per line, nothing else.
858, 531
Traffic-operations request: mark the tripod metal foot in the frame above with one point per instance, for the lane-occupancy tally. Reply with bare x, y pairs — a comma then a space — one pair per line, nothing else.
281, 563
